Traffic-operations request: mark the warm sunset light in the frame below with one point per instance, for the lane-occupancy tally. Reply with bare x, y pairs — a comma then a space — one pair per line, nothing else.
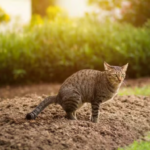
17, 9
74, 75
75, 8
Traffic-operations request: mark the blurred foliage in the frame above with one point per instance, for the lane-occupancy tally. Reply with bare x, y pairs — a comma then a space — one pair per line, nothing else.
36, 20
55, 49
3, 16
39, 7
138, 13
145, 90
52, 13
106, 4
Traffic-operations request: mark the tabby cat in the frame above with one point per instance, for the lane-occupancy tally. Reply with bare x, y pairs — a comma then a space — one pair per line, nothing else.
87, 85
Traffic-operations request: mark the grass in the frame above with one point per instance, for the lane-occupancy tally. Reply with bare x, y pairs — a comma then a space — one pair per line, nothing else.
142, 145
138, 146
145, 91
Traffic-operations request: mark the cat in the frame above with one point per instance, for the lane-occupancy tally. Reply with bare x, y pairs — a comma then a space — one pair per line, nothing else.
85, 86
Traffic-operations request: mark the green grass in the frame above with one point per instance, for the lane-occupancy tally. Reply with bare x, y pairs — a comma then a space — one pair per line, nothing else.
145, 90
138, 146
142, 145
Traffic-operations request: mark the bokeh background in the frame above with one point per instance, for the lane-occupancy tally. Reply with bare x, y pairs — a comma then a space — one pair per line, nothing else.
48, 40
42, 42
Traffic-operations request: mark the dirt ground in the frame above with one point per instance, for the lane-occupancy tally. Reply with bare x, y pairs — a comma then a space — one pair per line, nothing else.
121, 121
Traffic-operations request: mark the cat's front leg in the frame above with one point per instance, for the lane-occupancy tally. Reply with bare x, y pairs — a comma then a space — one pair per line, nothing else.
95, 112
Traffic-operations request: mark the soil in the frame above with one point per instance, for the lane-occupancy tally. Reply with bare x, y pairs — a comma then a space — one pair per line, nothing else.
122, 120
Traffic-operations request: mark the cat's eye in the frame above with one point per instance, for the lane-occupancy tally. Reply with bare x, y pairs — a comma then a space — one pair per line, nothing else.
115, 75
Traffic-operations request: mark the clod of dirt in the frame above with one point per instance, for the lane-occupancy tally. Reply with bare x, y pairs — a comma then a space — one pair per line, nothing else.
121, 121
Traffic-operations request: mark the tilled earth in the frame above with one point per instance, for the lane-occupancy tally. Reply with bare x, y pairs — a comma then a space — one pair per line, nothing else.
121, 121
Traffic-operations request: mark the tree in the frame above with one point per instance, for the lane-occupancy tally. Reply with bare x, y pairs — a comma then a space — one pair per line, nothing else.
106, 4
136, 12
39, 7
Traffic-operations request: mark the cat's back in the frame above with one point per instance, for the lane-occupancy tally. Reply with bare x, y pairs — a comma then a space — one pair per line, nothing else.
81, 83
82, 76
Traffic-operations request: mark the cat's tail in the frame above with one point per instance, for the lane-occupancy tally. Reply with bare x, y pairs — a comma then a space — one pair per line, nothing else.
41, 106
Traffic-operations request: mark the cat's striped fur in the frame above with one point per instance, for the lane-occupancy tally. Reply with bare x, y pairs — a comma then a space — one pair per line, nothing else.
90, 86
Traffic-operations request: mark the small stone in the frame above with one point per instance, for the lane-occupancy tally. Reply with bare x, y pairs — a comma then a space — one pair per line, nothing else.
26, 123
19, 144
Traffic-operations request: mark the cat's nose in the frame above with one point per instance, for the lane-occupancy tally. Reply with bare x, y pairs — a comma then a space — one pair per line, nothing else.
119, 79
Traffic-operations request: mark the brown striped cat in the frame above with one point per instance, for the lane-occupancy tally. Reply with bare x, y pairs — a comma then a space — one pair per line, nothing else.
85, 86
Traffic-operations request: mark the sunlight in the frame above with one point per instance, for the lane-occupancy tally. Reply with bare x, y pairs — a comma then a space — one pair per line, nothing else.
75, 8
17, 9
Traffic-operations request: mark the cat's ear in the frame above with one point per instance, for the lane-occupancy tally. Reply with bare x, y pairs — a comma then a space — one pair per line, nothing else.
124, 68
107, 66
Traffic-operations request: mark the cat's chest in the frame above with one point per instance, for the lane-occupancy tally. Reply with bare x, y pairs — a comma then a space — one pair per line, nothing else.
106, 93
110, 95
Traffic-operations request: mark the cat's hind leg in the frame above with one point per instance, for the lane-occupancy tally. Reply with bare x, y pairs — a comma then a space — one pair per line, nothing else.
70, 104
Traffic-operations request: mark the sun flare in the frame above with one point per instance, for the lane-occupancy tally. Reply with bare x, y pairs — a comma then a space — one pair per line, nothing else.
75, 8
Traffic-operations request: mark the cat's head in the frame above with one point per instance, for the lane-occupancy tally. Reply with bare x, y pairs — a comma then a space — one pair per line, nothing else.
115, 74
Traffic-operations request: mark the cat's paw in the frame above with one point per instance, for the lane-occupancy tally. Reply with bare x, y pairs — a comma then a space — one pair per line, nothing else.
71, 117
94, 119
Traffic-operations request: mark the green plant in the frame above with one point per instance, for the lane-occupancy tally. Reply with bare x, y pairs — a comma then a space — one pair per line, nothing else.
138, 146
55, 49
106, 4
53, 12
142, 145
145, 90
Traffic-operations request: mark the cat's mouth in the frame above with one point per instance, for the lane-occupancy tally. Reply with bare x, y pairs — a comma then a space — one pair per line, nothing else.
119, 79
